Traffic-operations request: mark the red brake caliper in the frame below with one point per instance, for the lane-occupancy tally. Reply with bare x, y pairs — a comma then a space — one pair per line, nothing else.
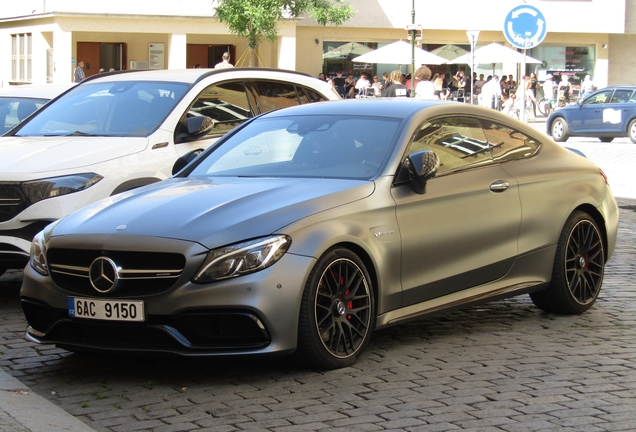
347, 292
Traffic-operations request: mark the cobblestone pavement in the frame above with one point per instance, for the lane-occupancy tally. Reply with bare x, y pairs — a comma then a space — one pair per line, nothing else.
503, 366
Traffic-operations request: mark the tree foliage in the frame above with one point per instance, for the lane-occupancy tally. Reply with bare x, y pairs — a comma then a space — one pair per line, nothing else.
257, 20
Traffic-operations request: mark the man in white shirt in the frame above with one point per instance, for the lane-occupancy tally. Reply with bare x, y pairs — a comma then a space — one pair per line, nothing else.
548, 87
225, 63
479, 84
491, 93
363, 82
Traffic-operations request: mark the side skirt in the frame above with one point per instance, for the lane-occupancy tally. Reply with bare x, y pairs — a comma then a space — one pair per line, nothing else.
530, 272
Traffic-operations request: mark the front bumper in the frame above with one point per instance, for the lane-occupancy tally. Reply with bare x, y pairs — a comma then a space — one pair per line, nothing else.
252, 314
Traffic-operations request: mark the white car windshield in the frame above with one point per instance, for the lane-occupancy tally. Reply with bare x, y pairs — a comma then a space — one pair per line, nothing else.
126, 109
347, 147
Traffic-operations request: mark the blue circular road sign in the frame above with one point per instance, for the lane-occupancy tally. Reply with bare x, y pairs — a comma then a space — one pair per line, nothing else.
525, 27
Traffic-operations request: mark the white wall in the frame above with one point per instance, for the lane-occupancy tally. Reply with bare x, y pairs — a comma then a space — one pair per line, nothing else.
12, 8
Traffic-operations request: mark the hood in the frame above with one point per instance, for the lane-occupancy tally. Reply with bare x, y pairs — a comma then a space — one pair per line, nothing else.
32, 155
213, 211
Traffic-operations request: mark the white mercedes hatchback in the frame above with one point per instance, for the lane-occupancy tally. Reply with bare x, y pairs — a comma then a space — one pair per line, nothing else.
117, 132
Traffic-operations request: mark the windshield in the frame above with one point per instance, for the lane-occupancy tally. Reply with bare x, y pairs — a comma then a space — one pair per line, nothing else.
126, 109
347, 147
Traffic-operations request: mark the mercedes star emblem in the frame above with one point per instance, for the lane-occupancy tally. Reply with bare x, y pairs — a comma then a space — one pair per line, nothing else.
104, 274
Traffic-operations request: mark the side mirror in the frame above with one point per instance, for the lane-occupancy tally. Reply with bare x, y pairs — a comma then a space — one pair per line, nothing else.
185, 160
199, 126
422, 165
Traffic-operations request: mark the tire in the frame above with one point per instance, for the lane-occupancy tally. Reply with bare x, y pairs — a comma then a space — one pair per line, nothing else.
578, 269
337, 313
631, 130
606, 139
559, 130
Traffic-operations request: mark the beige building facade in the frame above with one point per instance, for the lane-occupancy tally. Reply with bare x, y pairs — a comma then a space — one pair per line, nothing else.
42, 40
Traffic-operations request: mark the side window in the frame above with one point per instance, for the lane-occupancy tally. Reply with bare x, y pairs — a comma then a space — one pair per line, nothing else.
599, 98
308, 95
507, 143
273, 95
224, 103
621, 96
458, 141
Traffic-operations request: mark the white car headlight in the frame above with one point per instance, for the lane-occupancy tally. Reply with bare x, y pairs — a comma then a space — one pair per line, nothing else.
242, 258
39, 246
38, 190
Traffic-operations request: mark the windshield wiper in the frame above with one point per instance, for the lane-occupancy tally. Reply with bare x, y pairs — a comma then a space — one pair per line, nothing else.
64, 133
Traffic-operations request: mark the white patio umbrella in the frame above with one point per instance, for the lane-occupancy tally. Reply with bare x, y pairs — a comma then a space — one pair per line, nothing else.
449, 52
399, 53
492, 54
345, 50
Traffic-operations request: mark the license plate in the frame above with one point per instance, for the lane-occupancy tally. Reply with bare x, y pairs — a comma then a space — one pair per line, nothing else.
110, 310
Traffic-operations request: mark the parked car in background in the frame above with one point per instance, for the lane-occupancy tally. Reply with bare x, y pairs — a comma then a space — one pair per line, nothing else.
112, 133
607, 113
19, 102
308, 227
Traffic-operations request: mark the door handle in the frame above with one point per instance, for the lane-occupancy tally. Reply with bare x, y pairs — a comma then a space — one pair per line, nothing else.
499, 186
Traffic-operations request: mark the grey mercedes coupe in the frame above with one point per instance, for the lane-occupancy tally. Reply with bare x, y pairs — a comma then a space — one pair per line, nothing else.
306, 228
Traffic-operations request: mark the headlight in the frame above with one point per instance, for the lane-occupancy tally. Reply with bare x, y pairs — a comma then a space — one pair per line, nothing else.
38, 249
242, 258
38, 190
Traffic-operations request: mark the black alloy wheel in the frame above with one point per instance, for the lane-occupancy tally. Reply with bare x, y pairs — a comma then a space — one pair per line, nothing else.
337, 311
578, 269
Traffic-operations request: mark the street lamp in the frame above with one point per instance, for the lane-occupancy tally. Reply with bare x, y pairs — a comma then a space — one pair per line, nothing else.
473, 35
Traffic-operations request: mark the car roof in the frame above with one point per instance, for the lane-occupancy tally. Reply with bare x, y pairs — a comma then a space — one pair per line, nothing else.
404, 108
44, 91
622, 87
394, 107
378, 107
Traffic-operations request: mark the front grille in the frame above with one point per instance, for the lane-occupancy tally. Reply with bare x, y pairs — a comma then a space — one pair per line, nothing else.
141, 273
188, 332
12, 200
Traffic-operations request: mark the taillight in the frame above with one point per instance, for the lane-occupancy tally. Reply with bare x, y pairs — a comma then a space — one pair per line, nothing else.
604, 177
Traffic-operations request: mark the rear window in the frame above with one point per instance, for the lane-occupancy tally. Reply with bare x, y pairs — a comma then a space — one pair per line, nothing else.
14, 110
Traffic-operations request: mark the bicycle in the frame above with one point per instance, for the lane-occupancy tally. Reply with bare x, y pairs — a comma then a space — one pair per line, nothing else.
547, 105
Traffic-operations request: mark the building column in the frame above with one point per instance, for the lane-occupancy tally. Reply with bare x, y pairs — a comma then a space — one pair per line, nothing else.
287, 46
177, 52
63, 60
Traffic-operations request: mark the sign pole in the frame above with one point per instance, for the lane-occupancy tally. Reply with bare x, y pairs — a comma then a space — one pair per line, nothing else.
472, 37
524, 117
524, 28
